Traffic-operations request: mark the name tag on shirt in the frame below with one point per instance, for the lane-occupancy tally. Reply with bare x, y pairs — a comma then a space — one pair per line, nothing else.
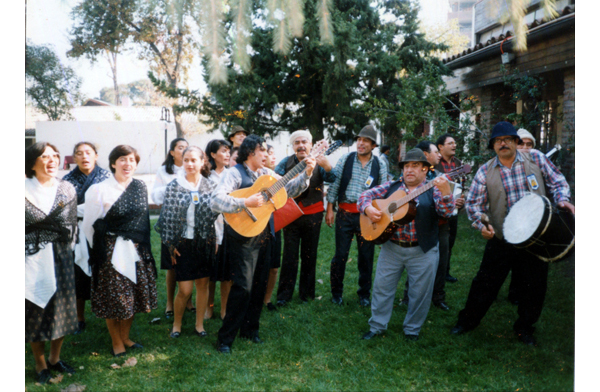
195, 197
533, 183
369, 181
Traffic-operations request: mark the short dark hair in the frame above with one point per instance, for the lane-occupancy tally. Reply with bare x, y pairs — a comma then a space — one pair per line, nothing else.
205, 169
169, 160
425, 145
212, 147
121, 151
248, 146
32, 153
442, 139
86, 143
385, 148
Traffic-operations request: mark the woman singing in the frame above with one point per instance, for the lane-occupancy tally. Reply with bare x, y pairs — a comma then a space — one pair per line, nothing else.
186, 227
123, 272
50, 225
86, 174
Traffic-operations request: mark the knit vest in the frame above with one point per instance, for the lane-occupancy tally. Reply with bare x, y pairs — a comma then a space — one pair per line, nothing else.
426, 220
247, 183
497, 198
347, 174
314, 193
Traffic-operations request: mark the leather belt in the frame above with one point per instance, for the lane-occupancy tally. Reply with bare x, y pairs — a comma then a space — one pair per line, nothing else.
405, 244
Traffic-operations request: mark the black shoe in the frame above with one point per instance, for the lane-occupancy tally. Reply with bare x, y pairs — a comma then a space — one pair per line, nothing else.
369, 335
169, 314
442, 305
458, 330
337, 300
117, 355
136, 346
80, 327
223, 348
253, 339
364, 302
281, 302
61, 367
191, 310
271, 307
528, 339
44, 376
451, 279
412, 338
202, 334
175, 335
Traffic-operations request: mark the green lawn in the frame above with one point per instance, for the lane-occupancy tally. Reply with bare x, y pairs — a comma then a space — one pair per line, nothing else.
317, 346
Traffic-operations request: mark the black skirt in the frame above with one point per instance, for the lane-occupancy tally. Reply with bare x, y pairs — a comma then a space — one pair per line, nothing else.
196, 261
59, 317
165, 258
83, 284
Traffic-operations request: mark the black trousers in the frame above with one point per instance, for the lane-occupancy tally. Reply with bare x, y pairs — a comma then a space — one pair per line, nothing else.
347, 225
453, 222
249, 261
300, 238
498, 259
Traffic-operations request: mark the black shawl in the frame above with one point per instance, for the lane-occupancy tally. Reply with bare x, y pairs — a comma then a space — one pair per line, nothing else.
82, 183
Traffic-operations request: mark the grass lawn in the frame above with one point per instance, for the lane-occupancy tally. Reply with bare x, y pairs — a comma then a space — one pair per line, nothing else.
317, 347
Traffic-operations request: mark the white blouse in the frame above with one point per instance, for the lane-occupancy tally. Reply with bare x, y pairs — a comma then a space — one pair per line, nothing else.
40, 278
190, 216
99, 198
162, 180
219, 223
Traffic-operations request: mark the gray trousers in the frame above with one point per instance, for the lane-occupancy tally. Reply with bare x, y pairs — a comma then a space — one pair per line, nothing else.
421, 269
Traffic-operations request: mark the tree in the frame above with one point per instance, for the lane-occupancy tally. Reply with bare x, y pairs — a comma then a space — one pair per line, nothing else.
141, 92
98, 31
53, 88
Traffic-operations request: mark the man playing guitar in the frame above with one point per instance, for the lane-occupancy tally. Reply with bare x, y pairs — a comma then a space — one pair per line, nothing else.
414, 246
248, 255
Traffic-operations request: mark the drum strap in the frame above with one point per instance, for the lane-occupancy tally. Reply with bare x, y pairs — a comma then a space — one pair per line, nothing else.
497, 198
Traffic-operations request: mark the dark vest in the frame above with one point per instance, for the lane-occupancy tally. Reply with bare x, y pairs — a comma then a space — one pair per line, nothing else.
427, 219
314, 193
347, 174
247, 183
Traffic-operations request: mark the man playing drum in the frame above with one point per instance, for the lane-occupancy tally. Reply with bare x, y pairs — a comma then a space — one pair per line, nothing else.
497, 186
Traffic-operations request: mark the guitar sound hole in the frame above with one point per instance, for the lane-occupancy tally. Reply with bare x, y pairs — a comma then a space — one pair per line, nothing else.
392, 208
266, 194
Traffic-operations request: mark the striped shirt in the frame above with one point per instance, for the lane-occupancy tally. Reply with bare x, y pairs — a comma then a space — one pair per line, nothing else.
231, 180
515, 184
357, 185
444, 205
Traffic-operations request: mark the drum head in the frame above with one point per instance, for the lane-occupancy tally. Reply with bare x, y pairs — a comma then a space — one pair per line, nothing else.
524, 219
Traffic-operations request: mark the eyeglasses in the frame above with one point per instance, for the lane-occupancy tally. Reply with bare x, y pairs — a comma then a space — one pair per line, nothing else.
506, 140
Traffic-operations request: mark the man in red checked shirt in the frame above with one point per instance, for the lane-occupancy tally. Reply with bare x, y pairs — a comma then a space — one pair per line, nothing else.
414, 246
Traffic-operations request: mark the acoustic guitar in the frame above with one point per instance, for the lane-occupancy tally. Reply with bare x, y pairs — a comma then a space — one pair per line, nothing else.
398, 209
251, 221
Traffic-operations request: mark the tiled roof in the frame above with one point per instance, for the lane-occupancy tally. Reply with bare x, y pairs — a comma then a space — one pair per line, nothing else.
508, 35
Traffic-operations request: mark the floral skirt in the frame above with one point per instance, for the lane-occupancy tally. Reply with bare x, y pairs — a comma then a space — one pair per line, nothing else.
114, 296
59, 317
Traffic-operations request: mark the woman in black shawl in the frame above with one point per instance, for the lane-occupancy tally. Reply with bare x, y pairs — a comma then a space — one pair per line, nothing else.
50, 224
116, 218
86, 174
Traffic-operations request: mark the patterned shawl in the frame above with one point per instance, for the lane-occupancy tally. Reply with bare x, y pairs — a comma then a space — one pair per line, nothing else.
81, 182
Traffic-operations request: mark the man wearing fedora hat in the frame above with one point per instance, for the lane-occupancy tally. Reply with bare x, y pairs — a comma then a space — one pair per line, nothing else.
355, 172
497, 186
413, 246
236, 136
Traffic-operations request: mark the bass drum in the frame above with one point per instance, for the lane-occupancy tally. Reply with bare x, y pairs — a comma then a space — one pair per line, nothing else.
546, 232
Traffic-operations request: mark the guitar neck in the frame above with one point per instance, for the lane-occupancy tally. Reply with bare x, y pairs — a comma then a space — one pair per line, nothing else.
273, 189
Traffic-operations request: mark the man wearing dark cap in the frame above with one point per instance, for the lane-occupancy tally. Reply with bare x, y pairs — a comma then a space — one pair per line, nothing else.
355, 172
414, 246
497, 186
237, 135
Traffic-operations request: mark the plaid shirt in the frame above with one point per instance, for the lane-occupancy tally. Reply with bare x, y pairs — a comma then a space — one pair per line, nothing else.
356, 185
444, 205
515, 184
231, 180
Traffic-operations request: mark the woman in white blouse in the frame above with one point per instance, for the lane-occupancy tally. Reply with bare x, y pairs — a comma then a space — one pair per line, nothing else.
116, 220
186, 227
50, 225
171, 167
217, 152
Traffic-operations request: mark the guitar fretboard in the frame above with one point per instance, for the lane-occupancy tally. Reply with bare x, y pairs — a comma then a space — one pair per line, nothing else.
273, 189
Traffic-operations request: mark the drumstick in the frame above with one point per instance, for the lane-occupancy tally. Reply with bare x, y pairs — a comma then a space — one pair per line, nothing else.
485, 220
